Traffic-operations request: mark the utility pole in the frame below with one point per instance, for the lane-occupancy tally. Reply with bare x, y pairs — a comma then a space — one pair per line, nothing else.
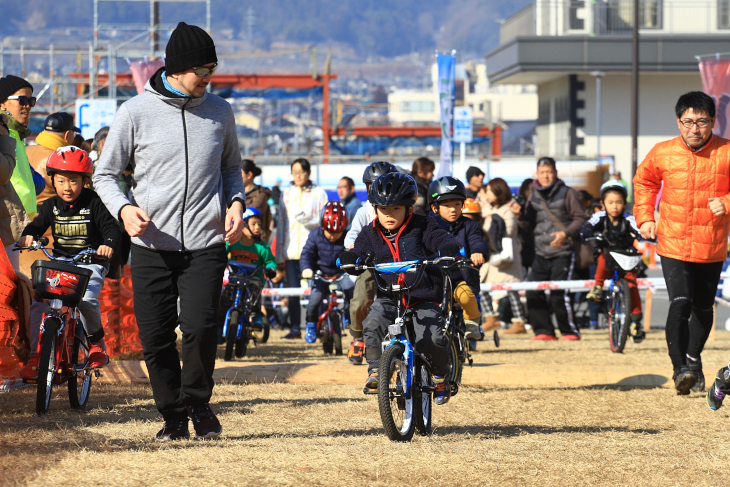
635, 94
250, 23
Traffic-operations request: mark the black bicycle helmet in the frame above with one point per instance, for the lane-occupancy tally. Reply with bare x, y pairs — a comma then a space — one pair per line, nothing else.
446, 188
393, 189
377, 169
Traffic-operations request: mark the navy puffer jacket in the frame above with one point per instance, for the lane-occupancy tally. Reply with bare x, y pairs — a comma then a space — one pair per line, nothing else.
319, 254
469, 235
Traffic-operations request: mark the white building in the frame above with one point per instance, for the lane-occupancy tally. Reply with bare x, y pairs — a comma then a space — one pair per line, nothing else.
563, 45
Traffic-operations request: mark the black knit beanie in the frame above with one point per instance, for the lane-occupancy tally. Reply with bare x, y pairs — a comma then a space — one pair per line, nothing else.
189, 47
10, 84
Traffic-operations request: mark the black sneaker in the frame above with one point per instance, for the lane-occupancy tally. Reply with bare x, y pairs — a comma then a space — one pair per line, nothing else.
292, 335
715, 396
174, 430
204, 421
696, 368
684, 380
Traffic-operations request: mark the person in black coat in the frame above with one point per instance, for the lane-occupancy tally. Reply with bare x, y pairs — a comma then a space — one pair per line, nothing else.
447, 197
397, 234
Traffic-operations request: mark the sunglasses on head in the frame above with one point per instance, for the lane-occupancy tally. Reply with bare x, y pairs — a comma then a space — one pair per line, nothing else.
24, 100
205, 71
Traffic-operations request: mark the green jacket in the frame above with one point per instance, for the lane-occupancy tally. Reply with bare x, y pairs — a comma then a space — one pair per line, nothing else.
22, 178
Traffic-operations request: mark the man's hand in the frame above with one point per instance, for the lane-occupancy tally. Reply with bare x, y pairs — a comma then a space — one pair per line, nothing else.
717, 206
105, 251
559, 239
477, 259
234, 222
135, 220
648, 230
25, 241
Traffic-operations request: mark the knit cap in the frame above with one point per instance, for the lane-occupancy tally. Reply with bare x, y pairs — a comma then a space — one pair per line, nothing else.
10, 84
189, 47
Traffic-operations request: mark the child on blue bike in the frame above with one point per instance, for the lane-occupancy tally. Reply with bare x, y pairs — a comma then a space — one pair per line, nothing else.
320, 253
395, 235
446, 196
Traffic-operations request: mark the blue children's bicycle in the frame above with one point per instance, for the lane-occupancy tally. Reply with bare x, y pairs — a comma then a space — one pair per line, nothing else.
405, 386
243, 321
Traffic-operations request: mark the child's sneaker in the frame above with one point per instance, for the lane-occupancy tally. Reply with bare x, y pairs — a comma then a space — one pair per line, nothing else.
596, 293
311, 334
371, 385
715, 396
443, 390
30, 371
354, 355
97, 355
637, 332
473, 332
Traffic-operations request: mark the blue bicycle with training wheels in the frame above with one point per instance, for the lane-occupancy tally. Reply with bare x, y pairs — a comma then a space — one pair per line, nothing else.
405, 385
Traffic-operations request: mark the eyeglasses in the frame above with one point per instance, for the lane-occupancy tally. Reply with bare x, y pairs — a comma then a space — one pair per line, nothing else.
299, 174
205, 71
24, 100
701, 123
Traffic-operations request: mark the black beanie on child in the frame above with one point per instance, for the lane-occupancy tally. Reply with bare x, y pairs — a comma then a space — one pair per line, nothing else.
10, 84
189, 47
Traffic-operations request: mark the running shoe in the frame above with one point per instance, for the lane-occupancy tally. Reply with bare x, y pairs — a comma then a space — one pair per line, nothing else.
174, 430
684, 380
443, 390
293, 335
354, 355
97, 355
205, 422
637, 333
545, 337
696, 368
570, 337
371, 385
30, 370
311, 334
715, 396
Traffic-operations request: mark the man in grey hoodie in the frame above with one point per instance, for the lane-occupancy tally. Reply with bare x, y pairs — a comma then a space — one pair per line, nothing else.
188, 200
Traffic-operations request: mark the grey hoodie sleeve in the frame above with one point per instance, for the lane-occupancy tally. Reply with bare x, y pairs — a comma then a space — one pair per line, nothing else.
360, 220
117, 153
231, 163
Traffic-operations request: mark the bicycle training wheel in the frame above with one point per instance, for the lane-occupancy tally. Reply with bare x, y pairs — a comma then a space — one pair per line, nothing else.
261, 329
46, 366
79, 384
619, 305
422, 403
231, 329
396, 409
336, 324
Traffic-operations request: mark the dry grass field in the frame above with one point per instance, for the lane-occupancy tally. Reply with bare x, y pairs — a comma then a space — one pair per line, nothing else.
297, 433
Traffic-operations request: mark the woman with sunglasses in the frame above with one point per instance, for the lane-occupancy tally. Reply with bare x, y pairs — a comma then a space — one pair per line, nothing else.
16, 102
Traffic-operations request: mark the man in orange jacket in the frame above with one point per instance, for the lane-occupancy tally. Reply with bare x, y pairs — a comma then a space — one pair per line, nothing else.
692, 231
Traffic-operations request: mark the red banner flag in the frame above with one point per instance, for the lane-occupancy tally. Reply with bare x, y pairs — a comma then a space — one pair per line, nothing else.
716, 83
142, 71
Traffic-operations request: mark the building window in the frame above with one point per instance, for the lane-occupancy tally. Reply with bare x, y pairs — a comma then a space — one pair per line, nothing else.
574, 21
417, 106
723, 14
620, 15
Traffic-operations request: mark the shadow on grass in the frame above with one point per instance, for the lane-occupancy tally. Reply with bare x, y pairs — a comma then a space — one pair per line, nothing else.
240, 372
510, 431
289, 402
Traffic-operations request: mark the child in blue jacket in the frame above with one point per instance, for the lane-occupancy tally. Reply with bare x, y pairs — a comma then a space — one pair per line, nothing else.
446, 196
320, 253
397, 234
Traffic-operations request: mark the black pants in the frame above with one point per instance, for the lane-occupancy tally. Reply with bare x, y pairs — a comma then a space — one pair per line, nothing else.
692, 289
293, 276
158, 278
554, 269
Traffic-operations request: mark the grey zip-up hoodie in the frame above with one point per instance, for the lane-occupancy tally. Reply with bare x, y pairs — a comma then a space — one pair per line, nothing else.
187, 166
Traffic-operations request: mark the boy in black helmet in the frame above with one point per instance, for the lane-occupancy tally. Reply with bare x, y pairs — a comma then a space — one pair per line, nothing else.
397, 234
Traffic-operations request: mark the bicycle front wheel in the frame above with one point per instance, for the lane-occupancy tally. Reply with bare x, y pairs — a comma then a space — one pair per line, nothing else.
242, 341
456, 365
619, 304
422, 403
79, 384
396, 409
46, 366
336, 326
231, 329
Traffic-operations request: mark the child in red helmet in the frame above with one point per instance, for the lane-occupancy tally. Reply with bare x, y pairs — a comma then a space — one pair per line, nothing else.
320, 253
79, 220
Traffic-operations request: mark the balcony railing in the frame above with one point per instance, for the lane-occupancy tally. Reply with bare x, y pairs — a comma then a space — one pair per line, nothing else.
615, 17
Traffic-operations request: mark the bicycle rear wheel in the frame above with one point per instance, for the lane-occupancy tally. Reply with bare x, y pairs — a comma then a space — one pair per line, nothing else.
79, 384
422, 400
336, 326
456, 365
231, 330
396, 409
619, 304
46, 366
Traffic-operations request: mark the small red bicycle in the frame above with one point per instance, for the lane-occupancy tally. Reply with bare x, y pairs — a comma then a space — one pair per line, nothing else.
329, 324
64, 347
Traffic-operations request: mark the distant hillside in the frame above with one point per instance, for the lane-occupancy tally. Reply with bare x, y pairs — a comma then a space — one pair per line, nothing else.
370, 27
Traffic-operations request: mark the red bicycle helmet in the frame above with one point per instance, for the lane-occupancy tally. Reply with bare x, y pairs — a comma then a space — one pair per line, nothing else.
69, 159
334, 217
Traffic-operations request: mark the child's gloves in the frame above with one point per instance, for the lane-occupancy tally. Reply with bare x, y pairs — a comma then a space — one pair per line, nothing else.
349, 258
307, 274
270, 272
449, 250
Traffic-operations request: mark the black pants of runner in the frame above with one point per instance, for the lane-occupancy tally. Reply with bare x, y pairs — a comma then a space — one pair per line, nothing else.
692, 288
158, 278
293, 276
554, 269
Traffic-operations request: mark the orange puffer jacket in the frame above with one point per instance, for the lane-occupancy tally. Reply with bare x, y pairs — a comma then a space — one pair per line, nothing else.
687, 229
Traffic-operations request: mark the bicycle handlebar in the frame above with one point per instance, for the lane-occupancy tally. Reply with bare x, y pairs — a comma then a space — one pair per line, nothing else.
321, 277
41, 243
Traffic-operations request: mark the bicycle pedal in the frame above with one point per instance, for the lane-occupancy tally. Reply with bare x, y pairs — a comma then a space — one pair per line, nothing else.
367, 391
97, 373
30, 381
